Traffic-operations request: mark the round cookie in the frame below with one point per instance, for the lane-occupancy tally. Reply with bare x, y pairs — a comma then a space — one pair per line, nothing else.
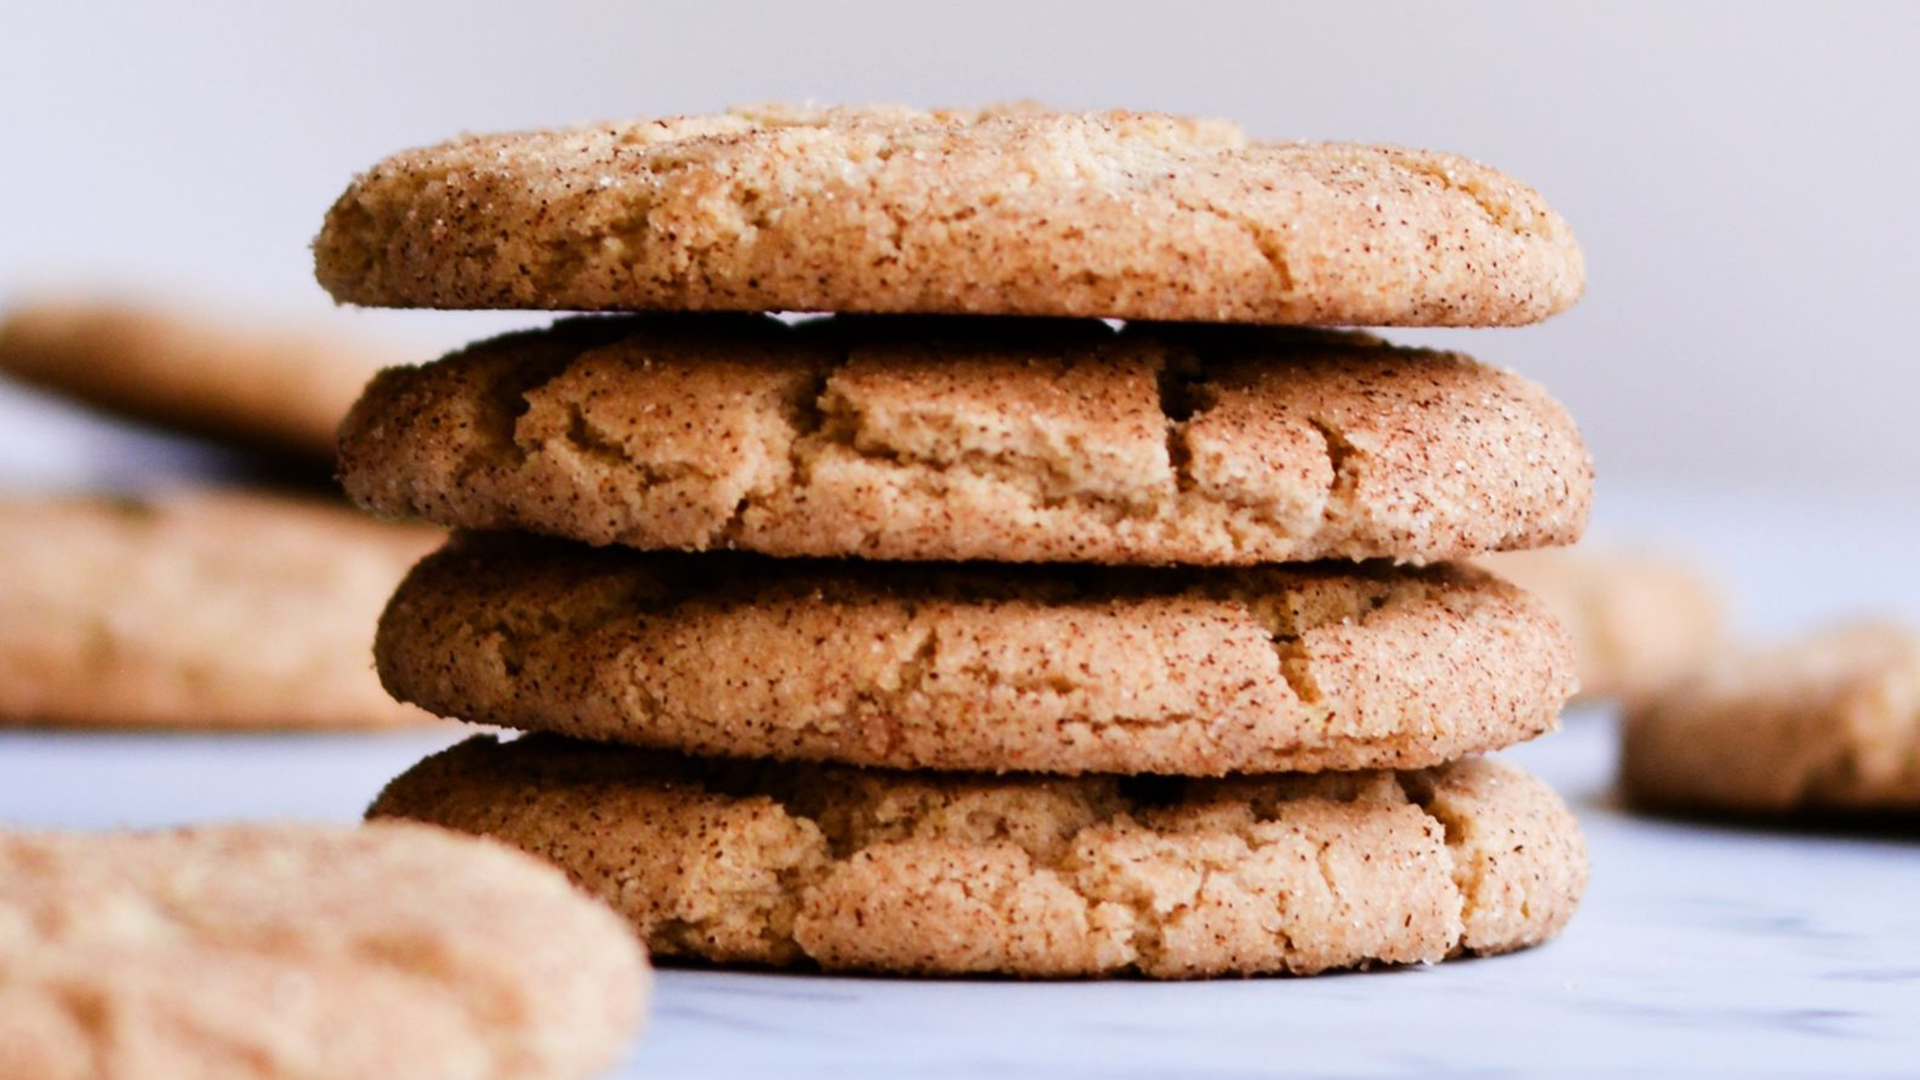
278, 390
1001, 440
1007, 211
1830, 722
1639, 621
311, 952
946, 874
198, 609
1052, 669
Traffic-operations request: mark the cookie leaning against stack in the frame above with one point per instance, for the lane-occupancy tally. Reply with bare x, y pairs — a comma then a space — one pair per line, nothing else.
890, 766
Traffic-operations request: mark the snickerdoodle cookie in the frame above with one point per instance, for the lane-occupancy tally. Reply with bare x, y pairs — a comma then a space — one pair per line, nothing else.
278, 389
1053, 669
1010, 211
1003, 440
198, 609
1639, 621
313, 952
1827, 723
758, 862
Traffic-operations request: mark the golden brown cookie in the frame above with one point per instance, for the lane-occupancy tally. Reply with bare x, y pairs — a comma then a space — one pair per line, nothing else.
926, 873
198, 609
279, 390
1008, 211
311, 952
1638, 621
1005, 440
1830, 722
1043, 669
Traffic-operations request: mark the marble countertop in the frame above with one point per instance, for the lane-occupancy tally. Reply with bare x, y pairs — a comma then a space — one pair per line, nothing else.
1699, 949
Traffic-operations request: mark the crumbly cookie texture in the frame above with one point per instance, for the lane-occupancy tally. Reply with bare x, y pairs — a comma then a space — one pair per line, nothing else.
197, 608
281, 390
311, 952
1012, 211
1639, 621
1827, 723
924, 873
1040, 669
1002, 440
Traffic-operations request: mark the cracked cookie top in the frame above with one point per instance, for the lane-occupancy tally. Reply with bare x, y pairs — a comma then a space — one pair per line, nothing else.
1056, 669
309, 952
758, 862
1016, 210
1007, 440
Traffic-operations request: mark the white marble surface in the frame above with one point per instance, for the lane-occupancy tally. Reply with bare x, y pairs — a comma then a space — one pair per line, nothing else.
1699, 949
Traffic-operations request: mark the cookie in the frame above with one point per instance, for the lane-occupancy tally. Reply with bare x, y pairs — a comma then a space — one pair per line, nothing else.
1046, 669
946, 874
271, 951
1638, 621
282, 390
1827, 723
1003, 440
1006, 211
201, 609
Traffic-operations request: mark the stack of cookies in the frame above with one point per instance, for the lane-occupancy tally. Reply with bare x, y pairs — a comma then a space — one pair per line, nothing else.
1021, 642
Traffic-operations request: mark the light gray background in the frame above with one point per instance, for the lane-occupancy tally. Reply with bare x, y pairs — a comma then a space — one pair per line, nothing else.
1742, 175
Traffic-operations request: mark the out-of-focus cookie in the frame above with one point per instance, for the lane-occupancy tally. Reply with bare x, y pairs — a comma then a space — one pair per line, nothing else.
266, 952
1827, 723
926, 873
1008, 211
1638, 621
1041, 669
279, 390
999, 440
196, 609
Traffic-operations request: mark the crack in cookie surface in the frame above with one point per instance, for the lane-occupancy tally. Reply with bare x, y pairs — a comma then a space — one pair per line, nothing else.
939, 439
1024, 875
1063, 669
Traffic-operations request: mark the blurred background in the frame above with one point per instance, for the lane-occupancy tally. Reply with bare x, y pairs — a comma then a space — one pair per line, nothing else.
1739, 174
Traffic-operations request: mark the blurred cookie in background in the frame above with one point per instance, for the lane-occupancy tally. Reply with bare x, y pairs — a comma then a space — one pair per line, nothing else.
277, 390
1826, 723
221, 609
1639, 621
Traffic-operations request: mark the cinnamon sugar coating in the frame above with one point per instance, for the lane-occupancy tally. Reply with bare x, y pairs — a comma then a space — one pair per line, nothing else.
755, 862
1004, 211
1047, 669
1002, 440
